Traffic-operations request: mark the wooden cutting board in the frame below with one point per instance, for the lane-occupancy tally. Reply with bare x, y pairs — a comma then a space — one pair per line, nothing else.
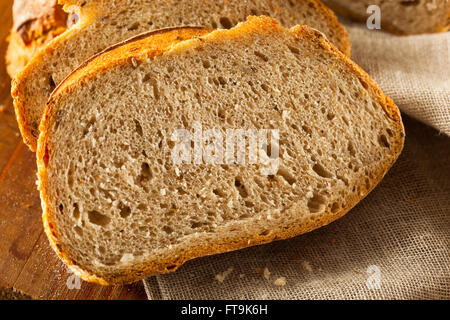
27, 263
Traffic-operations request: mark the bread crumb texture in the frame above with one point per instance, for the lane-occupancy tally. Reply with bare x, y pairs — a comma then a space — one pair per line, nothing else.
116, 206
104, 23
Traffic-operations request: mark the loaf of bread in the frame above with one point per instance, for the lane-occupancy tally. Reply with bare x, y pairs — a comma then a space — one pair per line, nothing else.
136, 171
104, 23
36, 22
400, 16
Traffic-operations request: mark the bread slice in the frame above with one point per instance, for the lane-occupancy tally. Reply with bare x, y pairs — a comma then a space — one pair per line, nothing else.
104, 23
400, 16
118, 203
36, 22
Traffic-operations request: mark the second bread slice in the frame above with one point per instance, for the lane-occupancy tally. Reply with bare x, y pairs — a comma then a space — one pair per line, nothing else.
104, 23
135, 170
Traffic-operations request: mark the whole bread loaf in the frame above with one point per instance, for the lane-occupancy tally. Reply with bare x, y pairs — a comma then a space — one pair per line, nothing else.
132, 173
400, 16
36, 22
104, 23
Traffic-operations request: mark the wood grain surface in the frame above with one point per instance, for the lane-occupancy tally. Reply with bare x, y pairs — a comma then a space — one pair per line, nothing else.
27, 263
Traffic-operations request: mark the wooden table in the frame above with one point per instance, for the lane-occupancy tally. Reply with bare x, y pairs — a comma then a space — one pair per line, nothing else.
27, 263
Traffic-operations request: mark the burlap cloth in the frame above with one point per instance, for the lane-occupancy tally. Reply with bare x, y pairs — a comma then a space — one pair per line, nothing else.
396, 243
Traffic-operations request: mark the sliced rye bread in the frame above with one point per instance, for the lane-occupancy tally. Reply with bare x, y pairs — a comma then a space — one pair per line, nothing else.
119, 206
104, 23
400, 16
36, 22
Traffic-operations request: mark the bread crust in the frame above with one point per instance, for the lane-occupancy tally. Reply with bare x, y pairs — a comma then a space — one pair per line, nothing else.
36, 22
121, 54
29, 127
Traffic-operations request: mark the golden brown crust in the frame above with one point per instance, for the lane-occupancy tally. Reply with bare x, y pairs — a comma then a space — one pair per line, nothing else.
36, 22
342, 34
122, 54
34, 18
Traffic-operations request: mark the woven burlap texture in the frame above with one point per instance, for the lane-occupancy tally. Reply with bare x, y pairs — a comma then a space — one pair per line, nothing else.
398, 236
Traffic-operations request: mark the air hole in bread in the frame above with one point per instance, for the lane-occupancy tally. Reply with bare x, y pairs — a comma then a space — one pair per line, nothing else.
364, 84
367, 181
222, 80
142, 207
147, 77
134, 26
167, 229
240, 187
226, 23
294, 50
262, 56
124, 210
196, 224
78, 230
389, 132
51, 83
322, 171
213, 24
139, 128
221, 113
61, 208
70, 177
206, 64
219, 193
286, 175
382, 139
145, 175
171, 268
156, 92
351, 149
317, 203
249, 204
410, 3
258, 182
335, 207
307, 129
97, 218
76, 211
